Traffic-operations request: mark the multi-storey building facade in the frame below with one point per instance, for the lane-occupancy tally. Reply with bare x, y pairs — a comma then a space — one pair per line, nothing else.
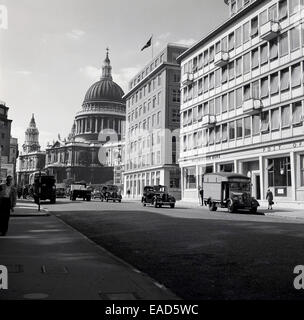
242, 100
5, 132
153, 103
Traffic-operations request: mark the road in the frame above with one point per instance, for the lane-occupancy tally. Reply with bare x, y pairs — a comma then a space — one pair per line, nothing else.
195, 253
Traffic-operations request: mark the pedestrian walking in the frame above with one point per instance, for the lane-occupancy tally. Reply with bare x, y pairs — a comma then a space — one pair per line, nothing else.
201, 193
269, 197
7, 204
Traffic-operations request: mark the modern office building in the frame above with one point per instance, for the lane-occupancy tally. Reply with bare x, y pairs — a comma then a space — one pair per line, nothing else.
153, 114
242, 100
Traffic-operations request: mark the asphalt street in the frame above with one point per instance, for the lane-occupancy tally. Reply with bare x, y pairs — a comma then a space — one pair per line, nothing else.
195, 253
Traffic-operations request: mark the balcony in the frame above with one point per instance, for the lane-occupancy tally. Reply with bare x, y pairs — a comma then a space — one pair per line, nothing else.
208, 121
221, 59
187, 79
270, 30
252, 106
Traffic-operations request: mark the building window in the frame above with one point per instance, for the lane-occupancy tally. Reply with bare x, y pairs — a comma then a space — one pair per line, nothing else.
256, 90
218, 106
285, 79
264, 87
283, 10
247, 94
256, 124
239, 128
224, 103
273, 49
274, 84
265, 122
246, 35
190, 177
273, 13
246, 63
247, 126
231, 41
284, 44
224, 132
295, 38
297, 117
238, 98
238, 37
264, 54
231, 130
275, 119
238, 67
294, 6
296, 75
285, 115
279, 172
254, 27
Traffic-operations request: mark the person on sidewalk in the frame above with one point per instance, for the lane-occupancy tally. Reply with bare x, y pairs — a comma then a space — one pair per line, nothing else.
269, 197
7, 204
201, 193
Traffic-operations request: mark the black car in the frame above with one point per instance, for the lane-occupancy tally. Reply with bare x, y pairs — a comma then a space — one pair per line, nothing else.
157, 196
44, 187
111, 193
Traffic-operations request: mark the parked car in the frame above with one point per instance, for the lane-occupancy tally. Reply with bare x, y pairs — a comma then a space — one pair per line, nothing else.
60, 190
111, 193
44, 187
80, 190
96, 194
157, 196
228, 190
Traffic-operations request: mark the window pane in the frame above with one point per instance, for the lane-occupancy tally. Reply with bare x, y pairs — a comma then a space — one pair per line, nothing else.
284, 44
283, 10
275, 119
224, 132
286, 116
274, 83
294, 6
239, 128
284, 79
254, 27
247, 126
264, 54
246, 32
296, 75
273, 13
231, 130
255, 58
255, 124
295, 38
246, 63
265, 121
264, 87
273, 49
238, 67
238, 98
224, 102
238, 37
297, 113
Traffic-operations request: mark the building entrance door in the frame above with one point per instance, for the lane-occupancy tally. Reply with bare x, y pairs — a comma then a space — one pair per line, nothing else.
256, 185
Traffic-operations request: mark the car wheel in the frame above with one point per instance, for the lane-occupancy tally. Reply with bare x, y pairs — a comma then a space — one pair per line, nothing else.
231, 207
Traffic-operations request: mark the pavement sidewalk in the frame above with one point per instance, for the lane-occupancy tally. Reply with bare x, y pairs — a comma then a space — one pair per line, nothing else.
28, 209
47, 259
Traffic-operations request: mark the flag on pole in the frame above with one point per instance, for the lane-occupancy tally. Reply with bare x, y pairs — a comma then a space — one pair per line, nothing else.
148, 44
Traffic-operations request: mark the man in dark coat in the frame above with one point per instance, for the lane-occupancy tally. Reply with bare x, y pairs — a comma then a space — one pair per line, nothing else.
269, 197
7, 204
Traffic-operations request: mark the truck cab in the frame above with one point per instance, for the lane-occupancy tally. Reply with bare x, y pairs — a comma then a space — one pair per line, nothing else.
228, 190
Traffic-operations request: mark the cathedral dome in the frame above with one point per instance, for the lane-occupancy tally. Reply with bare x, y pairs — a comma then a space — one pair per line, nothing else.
105, 89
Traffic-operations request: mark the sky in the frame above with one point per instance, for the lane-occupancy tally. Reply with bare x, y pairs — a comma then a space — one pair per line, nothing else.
52, 51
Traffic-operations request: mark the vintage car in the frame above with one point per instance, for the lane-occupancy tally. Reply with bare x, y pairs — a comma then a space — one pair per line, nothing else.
111, 193
228, 190
80, 190
44, 188
60, 190
157, 196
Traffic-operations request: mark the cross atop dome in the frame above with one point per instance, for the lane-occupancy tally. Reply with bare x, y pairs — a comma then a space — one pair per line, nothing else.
107, 68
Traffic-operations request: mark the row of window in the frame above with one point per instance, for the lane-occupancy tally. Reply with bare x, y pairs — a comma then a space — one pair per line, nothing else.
268, 121
145, 125
145, 179
150, 159
279, 47
277, 12
275, 83
145, 142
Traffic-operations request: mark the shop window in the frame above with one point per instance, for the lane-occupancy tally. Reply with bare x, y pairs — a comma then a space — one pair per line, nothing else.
190, 177
229, 167
279, 172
